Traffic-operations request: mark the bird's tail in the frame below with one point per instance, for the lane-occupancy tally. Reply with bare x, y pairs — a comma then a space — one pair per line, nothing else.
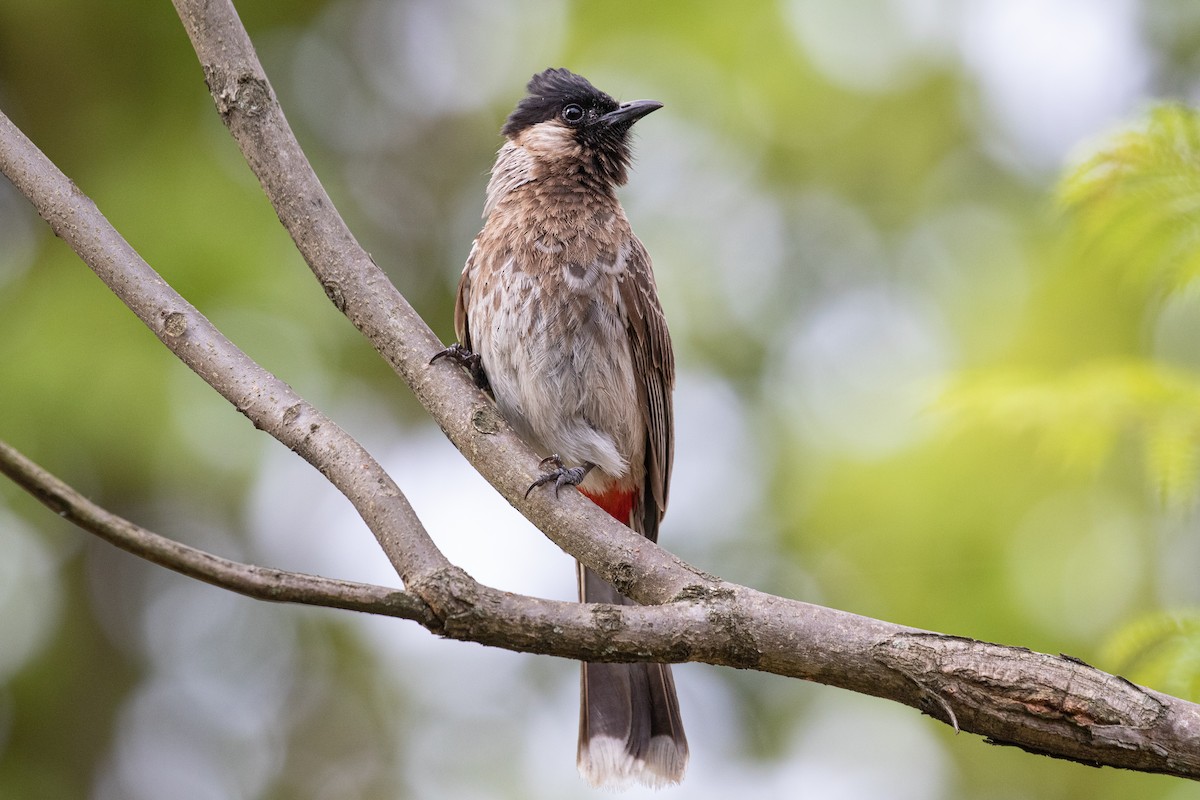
629, 726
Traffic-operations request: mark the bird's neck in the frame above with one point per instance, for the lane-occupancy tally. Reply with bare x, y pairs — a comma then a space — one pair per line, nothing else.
521, 177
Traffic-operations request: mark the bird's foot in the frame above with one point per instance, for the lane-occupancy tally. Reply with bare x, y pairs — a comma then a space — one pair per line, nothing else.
467, 359
560, 475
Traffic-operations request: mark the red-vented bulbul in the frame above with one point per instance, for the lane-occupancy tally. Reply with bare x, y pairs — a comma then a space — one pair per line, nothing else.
558, 313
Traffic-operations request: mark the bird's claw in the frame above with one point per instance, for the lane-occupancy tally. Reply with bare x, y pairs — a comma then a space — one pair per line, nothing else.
559, 474
464, 357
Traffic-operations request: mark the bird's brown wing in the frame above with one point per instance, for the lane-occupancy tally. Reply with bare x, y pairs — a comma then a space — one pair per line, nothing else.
462, 299
654, 368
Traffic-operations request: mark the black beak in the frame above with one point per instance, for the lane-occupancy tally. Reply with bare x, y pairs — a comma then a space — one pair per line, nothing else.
629, 113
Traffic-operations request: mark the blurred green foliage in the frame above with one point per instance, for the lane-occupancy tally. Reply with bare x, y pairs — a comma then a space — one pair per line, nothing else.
914, 386
1132, 228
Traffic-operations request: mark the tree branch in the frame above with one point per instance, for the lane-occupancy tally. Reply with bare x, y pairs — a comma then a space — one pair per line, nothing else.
261, 583
1043, 703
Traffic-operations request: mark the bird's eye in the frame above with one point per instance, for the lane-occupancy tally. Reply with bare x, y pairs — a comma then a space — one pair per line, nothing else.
572, 114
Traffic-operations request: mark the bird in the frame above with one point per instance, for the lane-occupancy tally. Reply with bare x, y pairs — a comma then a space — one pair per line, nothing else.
557, 315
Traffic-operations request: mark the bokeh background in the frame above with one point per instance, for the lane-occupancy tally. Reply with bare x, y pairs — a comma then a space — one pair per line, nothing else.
912, 386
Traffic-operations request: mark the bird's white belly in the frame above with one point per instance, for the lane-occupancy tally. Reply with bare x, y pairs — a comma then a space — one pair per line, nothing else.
562, 375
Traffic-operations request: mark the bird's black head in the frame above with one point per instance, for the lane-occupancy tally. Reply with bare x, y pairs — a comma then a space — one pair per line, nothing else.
564, 119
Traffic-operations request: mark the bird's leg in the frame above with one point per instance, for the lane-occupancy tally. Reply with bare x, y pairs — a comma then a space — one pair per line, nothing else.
470, 361
561, 475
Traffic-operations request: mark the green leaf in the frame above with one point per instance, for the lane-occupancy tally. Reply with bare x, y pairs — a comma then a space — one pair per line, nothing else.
1135, 205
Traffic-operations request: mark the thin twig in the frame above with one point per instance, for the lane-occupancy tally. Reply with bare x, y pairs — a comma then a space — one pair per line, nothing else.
261, 583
